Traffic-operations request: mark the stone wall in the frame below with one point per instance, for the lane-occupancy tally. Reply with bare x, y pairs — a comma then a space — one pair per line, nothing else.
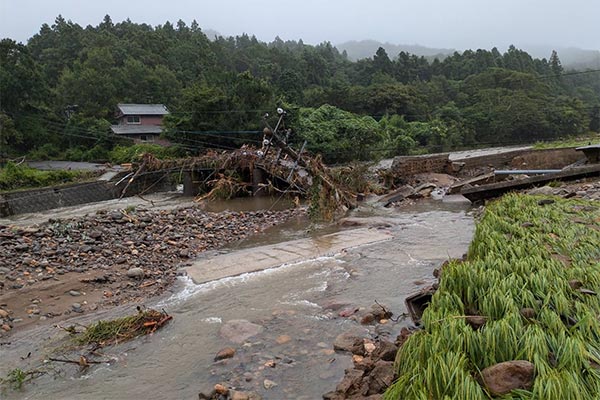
26, 201
34, 200
411, 165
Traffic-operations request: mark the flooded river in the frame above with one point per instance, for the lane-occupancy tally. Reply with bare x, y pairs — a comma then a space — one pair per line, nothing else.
291, 303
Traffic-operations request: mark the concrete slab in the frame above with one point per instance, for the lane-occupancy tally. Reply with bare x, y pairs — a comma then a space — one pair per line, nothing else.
271, 256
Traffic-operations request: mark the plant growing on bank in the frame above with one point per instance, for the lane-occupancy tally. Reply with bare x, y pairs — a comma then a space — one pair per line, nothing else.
127, 154
17, 377
14, 176
524, 256
591, 138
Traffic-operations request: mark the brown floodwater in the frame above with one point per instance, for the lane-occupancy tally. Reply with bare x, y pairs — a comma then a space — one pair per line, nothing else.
177, 361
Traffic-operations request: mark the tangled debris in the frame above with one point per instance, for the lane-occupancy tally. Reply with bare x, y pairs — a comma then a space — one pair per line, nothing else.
104, 333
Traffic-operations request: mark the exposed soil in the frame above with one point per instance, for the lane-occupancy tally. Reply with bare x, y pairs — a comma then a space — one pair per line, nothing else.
53, 270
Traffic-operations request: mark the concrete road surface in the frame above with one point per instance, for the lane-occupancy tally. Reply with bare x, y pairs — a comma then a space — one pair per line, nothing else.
271, 256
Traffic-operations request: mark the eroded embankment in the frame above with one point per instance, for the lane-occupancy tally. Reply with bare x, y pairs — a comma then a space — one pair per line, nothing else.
528, 292
81, 264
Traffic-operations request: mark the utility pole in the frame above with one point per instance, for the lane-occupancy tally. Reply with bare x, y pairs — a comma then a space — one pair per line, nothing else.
316, 170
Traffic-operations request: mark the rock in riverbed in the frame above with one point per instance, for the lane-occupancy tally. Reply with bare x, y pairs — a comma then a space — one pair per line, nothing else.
227, 352
135, 273
239, 330
129, 254
504, 377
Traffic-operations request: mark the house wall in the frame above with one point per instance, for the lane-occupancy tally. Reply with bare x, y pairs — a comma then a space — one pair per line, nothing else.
144, 120
151, 119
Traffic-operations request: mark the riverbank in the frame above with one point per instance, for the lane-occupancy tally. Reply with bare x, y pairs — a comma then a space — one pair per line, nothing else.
65, 267
519, 316
302, 308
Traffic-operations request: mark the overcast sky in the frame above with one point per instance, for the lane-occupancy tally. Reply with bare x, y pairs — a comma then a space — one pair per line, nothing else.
457, 24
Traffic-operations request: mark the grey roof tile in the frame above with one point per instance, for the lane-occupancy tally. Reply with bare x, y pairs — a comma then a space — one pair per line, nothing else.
143, 109
137, 129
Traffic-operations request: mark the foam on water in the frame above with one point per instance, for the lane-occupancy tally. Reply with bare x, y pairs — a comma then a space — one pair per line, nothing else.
191, 289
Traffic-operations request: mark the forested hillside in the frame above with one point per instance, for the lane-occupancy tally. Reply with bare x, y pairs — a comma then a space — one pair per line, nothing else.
217, 92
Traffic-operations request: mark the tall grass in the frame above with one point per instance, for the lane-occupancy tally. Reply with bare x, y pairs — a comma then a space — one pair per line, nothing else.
14, 176
512, 265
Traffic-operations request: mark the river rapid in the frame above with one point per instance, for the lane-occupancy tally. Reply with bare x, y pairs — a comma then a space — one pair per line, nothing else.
294, 304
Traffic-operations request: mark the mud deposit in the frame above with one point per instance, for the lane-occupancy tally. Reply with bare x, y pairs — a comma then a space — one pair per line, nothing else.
299, 310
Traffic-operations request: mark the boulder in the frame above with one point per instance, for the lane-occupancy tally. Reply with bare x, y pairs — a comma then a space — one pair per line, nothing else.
236, 395
367, 318
424, 190
528, 312
381, 377
239, 330
225, 353
351, 382
349, 342
283, 339
386, 351
456, 166
221, 389
403, 336
476, 321
506, 376
348, 311
269, 384
544, 190
135, 273
381, 311
333, 396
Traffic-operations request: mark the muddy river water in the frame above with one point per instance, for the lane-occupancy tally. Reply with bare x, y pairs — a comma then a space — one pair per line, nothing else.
291, 303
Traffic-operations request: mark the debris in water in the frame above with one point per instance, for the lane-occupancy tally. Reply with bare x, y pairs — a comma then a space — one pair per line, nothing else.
118, 330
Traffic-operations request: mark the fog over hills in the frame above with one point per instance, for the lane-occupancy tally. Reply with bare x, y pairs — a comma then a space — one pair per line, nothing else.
366, 48
571, 57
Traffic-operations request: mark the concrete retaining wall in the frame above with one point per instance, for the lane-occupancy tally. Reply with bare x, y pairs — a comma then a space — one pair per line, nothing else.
34, 200
521, 159
411, 165
525, 159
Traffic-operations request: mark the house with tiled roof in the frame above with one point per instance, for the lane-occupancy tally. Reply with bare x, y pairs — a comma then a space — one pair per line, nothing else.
141, 122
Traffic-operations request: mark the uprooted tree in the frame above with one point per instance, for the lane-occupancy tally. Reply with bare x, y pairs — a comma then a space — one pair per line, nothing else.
229, 174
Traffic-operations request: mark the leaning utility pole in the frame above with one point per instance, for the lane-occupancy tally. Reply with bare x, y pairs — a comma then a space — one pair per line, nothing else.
317, 170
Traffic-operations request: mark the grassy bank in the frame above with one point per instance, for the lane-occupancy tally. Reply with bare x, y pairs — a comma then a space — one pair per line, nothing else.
524, 255
14, 177
591, 138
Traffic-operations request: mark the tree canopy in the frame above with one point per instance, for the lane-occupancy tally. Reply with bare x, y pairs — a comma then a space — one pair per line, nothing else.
378, 106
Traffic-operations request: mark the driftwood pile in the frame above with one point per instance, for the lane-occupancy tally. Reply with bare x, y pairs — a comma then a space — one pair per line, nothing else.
306, 177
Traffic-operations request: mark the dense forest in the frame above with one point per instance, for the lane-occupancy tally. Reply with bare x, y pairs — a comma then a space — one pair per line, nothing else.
58, 93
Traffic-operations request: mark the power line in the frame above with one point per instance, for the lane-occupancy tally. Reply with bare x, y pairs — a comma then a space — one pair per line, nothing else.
569, 73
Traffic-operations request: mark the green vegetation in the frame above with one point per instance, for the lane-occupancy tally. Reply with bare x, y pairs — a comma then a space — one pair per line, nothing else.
524, 255
58, 93
127, 154
16, 378
572, 142
122, 329
14, 176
